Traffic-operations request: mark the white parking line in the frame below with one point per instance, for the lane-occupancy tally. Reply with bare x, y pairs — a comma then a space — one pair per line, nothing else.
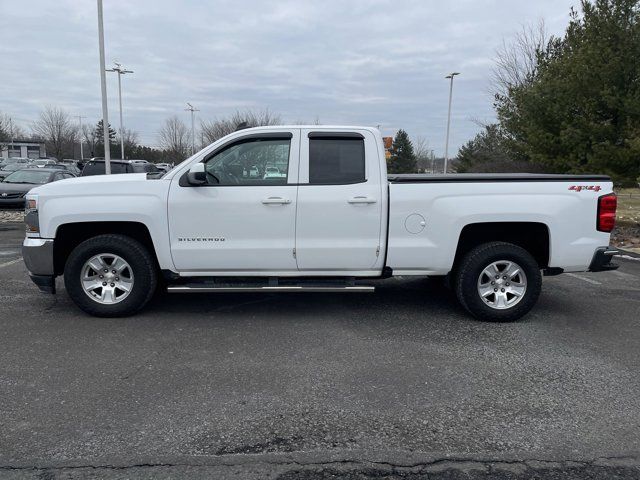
2, 265
588, 280
623, 274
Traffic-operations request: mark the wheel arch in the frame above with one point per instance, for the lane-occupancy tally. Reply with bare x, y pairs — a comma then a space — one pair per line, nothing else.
69, 235
534, 237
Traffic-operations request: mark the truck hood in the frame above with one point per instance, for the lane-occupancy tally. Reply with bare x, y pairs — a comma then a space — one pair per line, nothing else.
94, 183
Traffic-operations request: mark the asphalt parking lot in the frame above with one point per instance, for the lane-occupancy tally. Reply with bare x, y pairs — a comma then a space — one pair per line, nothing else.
396, 384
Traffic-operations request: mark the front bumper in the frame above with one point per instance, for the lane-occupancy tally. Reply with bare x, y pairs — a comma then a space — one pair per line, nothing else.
601, 261
38, 257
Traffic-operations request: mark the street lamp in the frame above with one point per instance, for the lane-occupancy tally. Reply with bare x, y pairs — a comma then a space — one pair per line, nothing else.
446, 145
192, 109
103, 87
80, 117
120, 71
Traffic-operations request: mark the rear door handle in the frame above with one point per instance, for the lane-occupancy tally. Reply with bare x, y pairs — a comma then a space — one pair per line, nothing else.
276, 201
361, 199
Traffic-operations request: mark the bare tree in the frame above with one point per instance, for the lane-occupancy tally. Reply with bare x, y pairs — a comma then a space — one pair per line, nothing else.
516, 61
175, 137
130, 138
218, 128
4, 131
90, 139
57, 129
424, 154
9, 129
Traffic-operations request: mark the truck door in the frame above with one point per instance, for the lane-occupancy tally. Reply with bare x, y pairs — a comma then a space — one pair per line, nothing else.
339, 212
243, 218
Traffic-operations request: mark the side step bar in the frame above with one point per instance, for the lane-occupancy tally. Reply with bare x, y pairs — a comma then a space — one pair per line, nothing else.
283, 288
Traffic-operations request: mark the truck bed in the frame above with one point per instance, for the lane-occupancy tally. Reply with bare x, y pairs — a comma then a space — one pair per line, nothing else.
492, 177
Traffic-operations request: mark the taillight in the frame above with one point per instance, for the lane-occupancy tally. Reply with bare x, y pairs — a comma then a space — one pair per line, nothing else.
607, 205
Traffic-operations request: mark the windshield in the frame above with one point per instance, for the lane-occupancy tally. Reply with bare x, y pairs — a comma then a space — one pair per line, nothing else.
12, 167
28, 176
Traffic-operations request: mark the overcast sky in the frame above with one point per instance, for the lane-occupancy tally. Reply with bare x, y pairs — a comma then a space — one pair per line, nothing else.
340, 61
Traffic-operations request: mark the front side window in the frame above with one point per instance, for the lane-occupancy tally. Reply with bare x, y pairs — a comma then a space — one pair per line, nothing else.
260, 161
335, 161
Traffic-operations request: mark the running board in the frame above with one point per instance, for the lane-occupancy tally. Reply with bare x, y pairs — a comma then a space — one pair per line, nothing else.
284, 288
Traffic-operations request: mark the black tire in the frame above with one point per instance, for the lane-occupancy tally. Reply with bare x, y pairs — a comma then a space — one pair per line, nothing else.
470, 268
134, 253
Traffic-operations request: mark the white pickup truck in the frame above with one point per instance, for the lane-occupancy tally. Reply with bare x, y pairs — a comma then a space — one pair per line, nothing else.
333, 221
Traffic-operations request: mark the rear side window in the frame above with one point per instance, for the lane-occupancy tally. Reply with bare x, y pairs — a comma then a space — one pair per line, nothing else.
334, 161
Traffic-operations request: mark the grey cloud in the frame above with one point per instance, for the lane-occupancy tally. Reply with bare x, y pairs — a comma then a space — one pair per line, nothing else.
363, 62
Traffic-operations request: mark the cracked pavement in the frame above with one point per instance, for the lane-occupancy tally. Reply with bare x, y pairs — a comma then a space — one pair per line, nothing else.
396, 384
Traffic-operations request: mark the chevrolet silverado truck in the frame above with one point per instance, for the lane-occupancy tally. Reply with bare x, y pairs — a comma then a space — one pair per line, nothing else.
332, 221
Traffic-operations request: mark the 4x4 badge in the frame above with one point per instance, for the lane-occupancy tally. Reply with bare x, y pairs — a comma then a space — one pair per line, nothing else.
579, 188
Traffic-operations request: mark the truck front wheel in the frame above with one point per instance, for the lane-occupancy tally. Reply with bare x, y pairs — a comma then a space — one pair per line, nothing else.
110, 276
498, 282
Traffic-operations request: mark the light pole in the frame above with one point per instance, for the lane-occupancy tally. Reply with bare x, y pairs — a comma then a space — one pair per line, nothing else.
103, 86
192, 109
446, 144
120, 71
80, 117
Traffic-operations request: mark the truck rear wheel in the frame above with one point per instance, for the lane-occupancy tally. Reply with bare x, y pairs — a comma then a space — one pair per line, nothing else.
110, 276
498, 282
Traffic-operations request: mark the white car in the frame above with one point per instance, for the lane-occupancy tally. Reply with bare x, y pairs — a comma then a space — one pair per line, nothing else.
335, 222
42, 162
273, 172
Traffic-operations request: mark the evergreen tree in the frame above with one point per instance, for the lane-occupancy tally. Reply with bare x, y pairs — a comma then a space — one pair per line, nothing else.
403, 159
98, 136
489, 152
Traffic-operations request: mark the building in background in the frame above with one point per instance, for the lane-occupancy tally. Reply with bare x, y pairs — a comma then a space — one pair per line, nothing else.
388, 143
23, 148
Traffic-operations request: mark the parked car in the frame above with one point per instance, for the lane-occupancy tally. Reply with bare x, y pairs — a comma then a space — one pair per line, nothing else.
97, 167
11, 167
145, 168
13, 160
273, 172
254, 172
68, 168
43, 162
335, 222
72, 165
163, 167
16, 185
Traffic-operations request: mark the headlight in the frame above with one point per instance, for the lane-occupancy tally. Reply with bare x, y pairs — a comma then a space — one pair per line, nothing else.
31, 214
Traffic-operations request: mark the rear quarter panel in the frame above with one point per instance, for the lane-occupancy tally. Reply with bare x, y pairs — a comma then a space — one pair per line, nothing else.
569, 215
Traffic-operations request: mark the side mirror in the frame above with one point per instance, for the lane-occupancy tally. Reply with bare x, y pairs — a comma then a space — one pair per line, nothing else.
197, 175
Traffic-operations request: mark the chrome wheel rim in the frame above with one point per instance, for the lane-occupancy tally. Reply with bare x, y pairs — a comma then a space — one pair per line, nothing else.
106, 278
502, 284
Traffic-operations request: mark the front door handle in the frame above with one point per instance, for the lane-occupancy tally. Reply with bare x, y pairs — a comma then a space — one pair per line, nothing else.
361, 199
276, 201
